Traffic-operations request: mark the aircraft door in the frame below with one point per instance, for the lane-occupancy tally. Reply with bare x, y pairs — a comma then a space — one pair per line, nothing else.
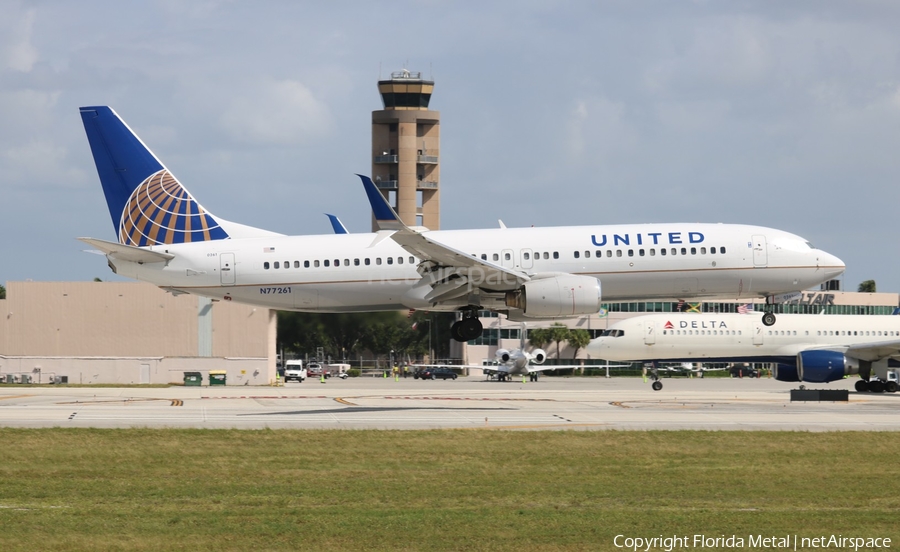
507, 259
760, 251
226, 269
649, 333
526, 258
758, 334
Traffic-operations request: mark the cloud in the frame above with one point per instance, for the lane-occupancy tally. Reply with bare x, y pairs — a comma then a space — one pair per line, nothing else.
281, 112
17, 51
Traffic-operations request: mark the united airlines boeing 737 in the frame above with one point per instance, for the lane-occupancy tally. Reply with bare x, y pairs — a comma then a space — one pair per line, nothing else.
814, 348
164, 236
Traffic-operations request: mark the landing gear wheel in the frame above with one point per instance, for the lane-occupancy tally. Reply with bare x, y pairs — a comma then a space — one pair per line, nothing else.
768, 319
861, 386
657, 385
876, 386
454, 332
469, 329
890, 386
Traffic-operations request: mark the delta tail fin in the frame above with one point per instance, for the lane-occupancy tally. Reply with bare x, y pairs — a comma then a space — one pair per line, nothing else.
147, 204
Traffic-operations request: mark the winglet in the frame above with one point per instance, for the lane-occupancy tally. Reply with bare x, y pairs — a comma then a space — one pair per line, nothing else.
385, 216
336, 224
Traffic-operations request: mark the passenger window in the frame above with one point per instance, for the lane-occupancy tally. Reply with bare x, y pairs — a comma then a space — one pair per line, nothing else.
277, 265
296, 264
305, 264
507, 256
722, 250
346, 262
526, 256
316, 263
577, 254
652, 252
640, 252
496, 257
556, 254
609, 252
266, 265
412, 260
483, 257
703, 251
390, 260
598, 253
287, 264
631, 252
546, 255
337, 262
618, 252
587, 254
378, 260
326, 263
674, 251
662, 251
712, 250
399, 260
684, 250
366, 261
355, 262
693, 251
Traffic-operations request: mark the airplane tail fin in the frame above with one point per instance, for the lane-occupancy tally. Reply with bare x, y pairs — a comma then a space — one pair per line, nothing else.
147, 204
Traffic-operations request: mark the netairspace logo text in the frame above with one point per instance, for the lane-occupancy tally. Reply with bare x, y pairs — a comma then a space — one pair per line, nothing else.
750, 542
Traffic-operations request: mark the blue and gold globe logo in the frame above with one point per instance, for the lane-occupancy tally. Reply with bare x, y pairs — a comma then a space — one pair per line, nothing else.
161, 211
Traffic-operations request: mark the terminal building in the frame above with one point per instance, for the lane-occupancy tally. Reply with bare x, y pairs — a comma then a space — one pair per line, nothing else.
130, 333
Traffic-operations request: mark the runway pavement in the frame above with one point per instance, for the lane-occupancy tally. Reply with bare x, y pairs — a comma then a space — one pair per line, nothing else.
468, 403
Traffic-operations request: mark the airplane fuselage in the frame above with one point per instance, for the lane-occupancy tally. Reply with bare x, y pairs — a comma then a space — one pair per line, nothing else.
360, 272
741, 337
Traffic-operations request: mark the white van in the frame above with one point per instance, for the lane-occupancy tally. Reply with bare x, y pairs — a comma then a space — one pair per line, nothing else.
294, 370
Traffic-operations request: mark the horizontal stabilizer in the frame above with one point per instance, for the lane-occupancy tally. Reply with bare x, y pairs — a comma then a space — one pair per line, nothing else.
128, 252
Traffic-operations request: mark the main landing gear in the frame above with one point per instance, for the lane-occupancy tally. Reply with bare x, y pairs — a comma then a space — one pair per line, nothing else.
768, 318
468, 328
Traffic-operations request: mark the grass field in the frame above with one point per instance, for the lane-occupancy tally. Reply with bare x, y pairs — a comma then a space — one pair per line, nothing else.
148, 489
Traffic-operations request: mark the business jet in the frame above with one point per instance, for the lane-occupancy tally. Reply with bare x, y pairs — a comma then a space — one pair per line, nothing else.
165, 237
815, 348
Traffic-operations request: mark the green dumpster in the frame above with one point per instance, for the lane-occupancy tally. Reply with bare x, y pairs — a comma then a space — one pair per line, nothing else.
217, 377
193, 378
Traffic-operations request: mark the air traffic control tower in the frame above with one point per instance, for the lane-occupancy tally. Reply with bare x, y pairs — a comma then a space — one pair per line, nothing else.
406, 149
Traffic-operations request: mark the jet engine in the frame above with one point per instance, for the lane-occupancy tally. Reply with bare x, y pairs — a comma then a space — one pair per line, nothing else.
503, 355
556, 297
785, 372
824, 366
538, 356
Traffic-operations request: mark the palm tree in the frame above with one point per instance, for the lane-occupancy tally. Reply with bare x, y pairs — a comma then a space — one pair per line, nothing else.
867, 287
2, 292
578, 338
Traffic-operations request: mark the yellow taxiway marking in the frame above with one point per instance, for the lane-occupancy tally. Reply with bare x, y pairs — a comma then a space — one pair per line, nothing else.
15, 397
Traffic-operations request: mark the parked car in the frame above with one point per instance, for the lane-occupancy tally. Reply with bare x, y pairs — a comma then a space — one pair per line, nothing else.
438, 373
315, 370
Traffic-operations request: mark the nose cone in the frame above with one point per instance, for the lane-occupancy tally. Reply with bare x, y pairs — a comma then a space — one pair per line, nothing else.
832, 266
595, 348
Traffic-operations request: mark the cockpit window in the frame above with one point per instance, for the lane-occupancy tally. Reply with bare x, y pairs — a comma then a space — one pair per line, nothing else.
612, 333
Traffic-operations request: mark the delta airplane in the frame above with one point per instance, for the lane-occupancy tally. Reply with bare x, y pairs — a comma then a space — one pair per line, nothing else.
816, 348
165, 237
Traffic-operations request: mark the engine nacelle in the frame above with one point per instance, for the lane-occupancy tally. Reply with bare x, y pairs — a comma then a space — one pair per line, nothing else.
556, 297
538, 356
785, 372
825, 366
502, 355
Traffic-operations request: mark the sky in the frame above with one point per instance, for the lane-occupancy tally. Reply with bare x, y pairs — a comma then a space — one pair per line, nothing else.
780, 114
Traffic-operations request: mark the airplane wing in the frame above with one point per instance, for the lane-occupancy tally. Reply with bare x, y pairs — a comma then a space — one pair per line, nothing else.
874, 351
128, 252
441, 262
